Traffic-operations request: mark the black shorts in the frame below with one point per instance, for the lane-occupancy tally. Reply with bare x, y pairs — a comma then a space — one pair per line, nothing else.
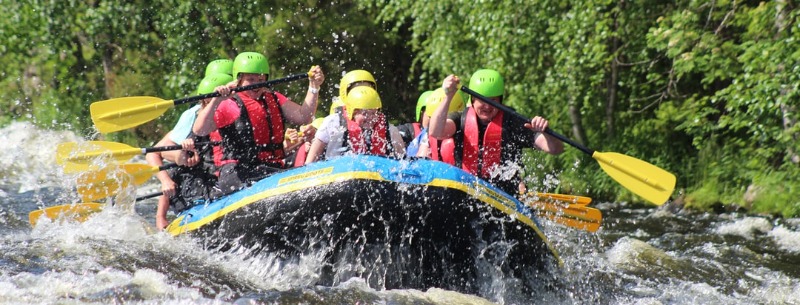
194, 185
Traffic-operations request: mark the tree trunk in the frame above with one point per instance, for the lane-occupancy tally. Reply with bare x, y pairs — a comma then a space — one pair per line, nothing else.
108, 69
576, 120
787, 110
613, 79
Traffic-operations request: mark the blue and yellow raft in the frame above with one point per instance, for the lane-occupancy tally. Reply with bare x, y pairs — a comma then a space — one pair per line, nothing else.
397, 223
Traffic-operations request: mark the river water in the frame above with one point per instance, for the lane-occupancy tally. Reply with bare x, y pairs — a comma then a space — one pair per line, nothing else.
641, 255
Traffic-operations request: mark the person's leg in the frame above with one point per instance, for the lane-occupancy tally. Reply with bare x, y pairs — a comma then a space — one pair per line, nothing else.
161, 212
229, 178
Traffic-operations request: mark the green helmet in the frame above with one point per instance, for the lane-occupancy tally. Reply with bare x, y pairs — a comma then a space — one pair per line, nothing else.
250, 62
487, 82
422, 102
221, 66
210, 82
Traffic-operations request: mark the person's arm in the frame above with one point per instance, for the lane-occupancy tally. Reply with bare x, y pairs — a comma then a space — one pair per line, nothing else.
397, 141
439, 126
304, 114
544, 141
316, 149
155, 159
291, 140
204, 124
424, 147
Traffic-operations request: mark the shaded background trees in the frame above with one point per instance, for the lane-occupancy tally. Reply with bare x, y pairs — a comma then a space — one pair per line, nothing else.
707, 90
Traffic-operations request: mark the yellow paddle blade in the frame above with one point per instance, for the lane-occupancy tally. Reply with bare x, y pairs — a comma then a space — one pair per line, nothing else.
90, 155
140, 172
79, 212
127, 112
579, 200
108, 181
573, 216
102, 183
644, 179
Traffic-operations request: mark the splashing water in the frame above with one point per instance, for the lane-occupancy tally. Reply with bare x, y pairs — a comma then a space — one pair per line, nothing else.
640, 256
29, 156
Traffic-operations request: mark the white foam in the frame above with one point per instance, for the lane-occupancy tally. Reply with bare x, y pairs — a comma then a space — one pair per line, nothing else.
633, 254
29, 155
786, 239
745, 227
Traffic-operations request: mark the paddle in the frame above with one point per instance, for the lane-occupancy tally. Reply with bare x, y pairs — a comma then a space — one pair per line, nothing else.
578, 200
644, 179
571, 215
76, 157
108, 181
77, 211
566, 210
128, 112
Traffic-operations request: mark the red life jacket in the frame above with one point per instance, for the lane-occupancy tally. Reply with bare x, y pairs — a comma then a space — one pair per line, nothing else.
417, 128
480, 159
379, 143
302, 152
442, 150
239, 143
217, 149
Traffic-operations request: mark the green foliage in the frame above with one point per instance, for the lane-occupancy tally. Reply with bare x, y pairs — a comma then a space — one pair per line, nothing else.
703, 89
774, 195
64, 55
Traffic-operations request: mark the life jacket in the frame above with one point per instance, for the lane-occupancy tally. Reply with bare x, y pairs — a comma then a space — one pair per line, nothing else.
196, 183
417, 128
216, 149
300, 157
442, 150
379, 142
476, 156
239, 144
206, 152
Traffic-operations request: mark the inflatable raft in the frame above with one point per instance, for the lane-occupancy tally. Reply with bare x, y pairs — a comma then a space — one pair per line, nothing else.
396, 223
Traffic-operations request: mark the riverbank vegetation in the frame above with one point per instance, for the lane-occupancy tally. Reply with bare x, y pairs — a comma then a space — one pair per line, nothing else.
706, 90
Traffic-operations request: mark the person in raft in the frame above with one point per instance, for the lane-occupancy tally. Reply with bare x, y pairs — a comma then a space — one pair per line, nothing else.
299, 150
411, 131
429, 147
361, 129
486, 142
194, 180
251, 124
351, 80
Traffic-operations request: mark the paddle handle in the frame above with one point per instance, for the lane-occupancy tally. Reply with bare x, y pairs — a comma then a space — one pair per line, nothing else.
242, 88
148, 196
147, 150
510, 111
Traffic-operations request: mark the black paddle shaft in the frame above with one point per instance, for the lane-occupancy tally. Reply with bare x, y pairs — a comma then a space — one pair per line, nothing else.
242, 88
147, 150
148, 196
510, 111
